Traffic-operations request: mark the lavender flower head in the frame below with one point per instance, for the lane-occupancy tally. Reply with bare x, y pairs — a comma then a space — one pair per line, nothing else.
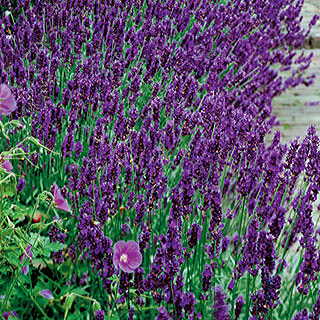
220, 308
7, 101
125, 229
21, 184
194, 235
59, 201
99, 315
302, 315
239, 305
127, 255
163, 314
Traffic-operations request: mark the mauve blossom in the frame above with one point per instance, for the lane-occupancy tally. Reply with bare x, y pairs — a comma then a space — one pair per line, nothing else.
59, 201
25, 270
27, 253
46, 293
6, 164
126, 255
7, 101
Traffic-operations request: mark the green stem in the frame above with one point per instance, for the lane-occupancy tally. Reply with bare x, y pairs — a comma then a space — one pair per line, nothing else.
34, 300
247, 297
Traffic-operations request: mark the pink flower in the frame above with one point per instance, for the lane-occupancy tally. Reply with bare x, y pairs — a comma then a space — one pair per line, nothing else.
25, 269
6, 164
126, 255
59, 201
27, 253
7, 101
46, 294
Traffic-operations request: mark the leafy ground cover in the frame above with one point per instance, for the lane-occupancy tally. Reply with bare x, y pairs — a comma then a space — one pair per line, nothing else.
135, 181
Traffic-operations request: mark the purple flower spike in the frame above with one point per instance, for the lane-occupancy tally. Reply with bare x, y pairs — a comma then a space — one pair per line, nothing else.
46, 294
220, 308
7, 101
6, 164
126, 255
60, 202
99, 315
21, 184
239, 305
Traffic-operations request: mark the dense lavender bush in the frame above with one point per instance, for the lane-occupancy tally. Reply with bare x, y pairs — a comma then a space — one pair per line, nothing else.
159, 110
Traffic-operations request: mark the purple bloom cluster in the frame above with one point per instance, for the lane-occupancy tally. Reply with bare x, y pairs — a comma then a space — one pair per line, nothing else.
194, 235
267, 298
220, 307
239, 306
99, 315
56, 235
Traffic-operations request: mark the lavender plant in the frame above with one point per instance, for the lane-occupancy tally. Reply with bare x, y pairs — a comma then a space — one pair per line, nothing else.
172, 205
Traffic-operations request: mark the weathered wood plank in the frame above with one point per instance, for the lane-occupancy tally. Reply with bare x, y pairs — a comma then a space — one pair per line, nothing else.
299, 107
310, 8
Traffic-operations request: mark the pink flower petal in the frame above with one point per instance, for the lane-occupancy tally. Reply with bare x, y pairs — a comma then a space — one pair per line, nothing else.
46, 294
135, 259
60, 202
7, 101
133, 255
27, 253
63, 205
125, 267
25, 270
5, 92
120, 246
6, 164
132, 246
118, 249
